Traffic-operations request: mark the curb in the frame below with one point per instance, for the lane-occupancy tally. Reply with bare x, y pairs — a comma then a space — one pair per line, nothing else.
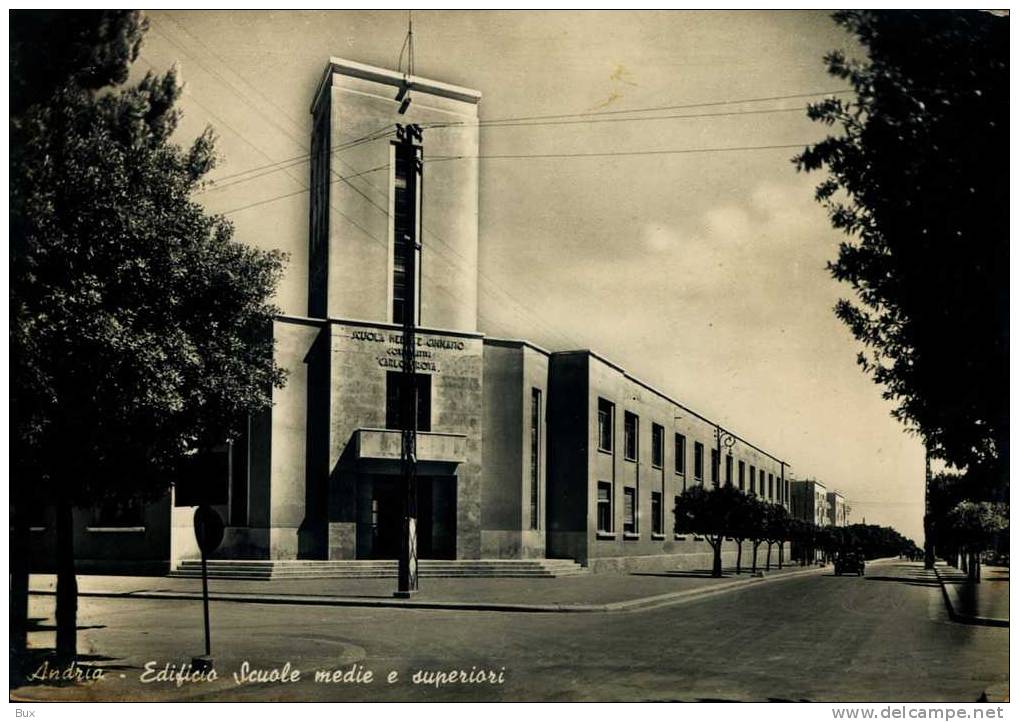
965, 618
629, 605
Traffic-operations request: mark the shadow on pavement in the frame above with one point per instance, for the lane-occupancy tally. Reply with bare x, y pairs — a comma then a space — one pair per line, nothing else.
917, 581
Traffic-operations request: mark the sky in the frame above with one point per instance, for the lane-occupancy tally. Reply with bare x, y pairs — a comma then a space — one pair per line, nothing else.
701, 273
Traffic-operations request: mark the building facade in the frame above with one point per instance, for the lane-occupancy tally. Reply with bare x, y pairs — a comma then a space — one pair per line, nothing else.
838, 509
522, 452
809, 501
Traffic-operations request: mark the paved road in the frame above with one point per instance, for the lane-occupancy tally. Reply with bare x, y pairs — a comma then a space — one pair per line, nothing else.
883, 637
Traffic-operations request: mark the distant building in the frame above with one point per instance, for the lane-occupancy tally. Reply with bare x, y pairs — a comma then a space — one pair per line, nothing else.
809, 501
838, 509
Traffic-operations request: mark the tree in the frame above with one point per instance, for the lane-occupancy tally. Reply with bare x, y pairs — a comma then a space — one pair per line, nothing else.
709, 513
802, 534
974, 526
776, 528
746, 520
918, 180
139, 328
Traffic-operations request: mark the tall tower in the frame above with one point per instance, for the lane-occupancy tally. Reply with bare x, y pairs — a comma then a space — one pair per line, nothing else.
354, 261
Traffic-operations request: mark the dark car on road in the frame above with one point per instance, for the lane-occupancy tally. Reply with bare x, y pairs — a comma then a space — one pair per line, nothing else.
849, 563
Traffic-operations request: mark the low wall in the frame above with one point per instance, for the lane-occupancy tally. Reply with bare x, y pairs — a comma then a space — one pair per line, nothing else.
699, 560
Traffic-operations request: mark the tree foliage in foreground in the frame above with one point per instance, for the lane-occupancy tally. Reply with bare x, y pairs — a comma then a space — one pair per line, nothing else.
918, 180
139, 327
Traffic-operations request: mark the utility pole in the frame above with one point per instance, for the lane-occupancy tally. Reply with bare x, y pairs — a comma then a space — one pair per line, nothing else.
408, 172
928, 530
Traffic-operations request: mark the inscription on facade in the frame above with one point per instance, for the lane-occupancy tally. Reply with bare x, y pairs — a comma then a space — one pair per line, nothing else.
393, 356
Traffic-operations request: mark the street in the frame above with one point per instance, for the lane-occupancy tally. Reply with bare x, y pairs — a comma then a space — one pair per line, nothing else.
882, 637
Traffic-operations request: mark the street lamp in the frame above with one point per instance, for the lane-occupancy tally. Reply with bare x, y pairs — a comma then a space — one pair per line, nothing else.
722, 438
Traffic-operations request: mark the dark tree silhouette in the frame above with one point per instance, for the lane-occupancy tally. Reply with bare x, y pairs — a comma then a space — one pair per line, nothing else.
710, 513
139, 328
918, 179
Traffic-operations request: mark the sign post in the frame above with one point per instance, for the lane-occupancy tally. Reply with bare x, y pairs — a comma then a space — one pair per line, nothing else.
209, 534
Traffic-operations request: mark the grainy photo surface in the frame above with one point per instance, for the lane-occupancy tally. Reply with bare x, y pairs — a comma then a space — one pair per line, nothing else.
509, 356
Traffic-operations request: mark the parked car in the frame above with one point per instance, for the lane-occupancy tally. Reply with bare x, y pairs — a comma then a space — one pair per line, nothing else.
849, 563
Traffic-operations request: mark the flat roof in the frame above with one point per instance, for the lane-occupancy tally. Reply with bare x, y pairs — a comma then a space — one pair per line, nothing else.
662, 394
354, 69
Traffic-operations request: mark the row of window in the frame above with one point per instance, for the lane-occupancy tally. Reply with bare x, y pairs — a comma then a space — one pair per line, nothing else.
604, 512
758, 482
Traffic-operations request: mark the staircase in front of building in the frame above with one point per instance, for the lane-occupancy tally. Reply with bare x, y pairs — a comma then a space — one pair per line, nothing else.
367, 569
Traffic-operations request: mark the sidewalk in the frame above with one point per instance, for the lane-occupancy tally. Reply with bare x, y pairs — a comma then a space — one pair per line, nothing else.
588, 593
984, 603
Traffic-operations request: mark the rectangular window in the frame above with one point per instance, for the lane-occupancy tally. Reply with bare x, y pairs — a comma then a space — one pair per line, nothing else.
535, 455
656, 512
680, 454
728, 469
406, 194
753, 480
394, 414
714, 466
118, 514
657, 445
239, 478
629, 510
698, 461
742, 475
606, 414
760, 483
604, 506
771, 484
630, 436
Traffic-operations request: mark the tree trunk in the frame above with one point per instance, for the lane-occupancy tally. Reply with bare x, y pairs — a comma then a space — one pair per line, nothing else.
67, 586
767, 559
716, 567
20, 562
739, 555
963, 558
781, 553
753, 569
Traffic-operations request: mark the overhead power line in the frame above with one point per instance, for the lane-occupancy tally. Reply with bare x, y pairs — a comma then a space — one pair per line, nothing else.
662, 108
610, 154
585, 121
217, 183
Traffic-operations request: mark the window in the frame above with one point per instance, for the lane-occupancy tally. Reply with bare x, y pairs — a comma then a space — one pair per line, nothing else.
606, 412
714, 466
118, 514
728, 469
604, 506
657, 445
630, 436
535, 454
742, 475
406, 194
771, 486
423, 384
680, 454
239, 479
753, 480
656, 512
698, 461
629, 510
760, 483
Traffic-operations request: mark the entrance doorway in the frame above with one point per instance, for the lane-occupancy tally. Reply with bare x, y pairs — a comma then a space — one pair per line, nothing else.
436, 521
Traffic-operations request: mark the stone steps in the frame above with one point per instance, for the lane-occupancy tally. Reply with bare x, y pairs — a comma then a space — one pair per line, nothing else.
267, 569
